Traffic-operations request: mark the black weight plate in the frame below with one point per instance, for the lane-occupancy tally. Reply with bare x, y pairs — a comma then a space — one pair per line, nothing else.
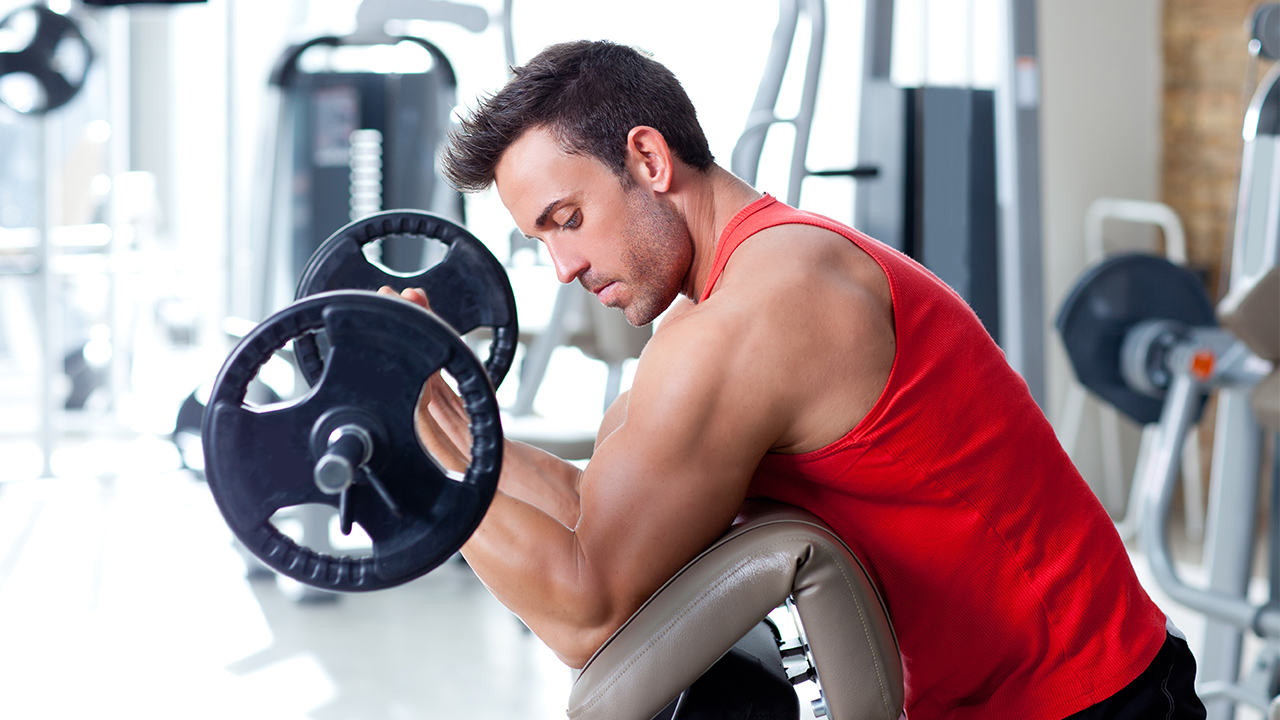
469, 287
1111, 298
57, 57
260, 460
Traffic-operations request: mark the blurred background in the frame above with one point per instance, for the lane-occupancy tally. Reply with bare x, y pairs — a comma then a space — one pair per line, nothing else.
160, 198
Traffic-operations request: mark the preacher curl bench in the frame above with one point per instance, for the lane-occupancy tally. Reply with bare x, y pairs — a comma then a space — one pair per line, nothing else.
688, 629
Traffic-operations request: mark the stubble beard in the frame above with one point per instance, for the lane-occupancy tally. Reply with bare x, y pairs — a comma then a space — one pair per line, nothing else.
660, 250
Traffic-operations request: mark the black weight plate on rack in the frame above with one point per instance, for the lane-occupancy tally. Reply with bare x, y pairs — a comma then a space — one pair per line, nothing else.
1110, 299
468, 288
260, 460
57, 57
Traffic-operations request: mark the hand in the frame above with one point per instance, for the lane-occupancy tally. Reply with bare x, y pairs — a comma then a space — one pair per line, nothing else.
441, 418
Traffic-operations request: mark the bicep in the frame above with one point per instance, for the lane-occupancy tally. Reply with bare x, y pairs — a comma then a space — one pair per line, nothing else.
613, 417
671, 477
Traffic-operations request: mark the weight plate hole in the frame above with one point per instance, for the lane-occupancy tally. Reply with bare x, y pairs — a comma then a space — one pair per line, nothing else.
404, 255
451, 425
318, 528
275, 385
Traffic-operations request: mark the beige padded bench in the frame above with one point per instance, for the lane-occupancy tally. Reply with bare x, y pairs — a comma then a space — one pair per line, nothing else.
774, 552
1250, 312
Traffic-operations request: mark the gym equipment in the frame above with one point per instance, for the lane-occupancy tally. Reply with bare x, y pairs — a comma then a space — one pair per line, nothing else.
1182, 361
44, 60
1072, 422
939, 195
1230, 537
1141, 333
343, 440
468, 288
356, 124
1120, 321
351, 442
777, 554
1265, 28
745, 161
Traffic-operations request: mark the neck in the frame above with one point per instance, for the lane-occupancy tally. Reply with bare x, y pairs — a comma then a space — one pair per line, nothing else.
712, 198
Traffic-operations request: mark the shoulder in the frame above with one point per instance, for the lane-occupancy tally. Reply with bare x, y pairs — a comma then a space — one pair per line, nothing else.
804, 316
799, 279
804, 254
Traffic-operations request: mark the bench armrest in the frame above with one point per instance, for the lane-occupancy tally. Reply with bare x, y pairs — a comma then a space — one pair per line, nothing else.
775, 551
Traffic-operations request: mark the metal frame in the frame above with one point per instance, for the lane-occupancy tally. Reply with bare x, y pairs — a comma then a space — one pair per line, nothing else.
1232, 529
745, 162
1022, 318
1162, 216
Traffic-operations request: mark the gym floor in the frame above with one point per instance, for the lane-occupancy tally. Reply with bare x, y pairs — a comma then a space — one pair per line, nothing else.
121, 594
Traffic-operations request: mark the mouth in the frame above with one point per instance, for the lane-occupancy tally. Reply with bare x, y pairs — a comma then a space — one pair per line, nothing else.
602, 292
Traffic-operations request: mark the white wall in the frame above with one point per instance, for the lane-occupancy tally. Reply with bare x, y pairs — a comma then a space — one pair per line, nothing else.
1100, 119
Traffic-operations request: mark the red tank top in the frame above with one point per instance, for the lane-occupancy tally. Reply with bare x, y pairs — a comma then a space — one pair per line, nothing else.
1008, 587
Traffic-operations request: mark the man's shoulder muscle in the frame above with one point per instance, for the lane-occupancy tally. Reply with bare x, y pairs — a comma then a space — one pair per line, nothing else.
813, 317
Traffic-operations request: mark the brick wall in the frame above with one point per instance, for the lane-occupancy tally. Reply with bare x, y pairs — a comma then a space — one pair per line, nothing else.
1206, 67
1207, 73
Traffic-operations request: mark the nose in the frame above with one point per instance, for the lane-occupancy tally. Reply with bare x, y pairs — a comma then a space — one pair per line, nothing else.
568, 263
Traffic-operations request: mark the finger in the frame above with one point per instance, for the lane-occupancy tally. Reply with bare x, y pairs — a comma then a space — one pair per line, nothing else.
448, 409
416, 296
437, 440
438, 443
449, 412
388, 290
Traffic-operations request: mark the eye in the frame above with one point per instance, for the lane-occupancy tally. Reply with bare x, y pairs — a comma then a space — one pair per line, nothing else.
574, 220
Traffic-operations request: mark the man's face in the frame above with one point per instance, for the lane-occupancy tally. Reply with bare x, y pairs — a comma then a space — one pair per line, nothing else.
627, 246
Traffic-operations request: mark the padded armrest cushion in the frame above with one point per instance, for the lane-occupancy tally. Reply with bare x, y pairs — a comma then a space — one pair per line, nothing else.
693, 620
1249, 312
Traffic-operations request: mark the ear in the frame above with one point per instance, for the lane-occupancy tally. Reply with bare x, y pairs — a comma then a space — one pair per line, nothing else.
649, 158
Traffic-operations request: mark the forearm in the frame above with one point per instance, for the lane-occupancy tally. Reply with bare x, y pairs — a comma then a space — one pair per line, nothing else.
542, 480
533, 564
547, 482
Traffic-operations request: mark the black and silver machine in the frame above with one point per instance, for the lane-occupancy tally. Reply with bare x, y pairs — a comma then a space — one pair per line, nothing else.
359, 120
1143, 335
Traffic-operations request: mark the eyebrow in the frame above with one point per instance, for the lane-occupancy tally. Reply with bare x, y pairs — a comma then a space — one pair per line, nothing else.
541, 222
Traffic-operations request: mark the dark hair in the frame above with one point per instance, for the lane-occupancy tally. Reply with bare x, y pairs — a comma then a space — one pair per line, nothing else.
589, 95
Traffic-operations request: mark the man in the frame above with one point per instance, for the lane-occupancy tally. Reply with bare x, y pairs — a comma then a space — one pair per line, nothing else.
804, 362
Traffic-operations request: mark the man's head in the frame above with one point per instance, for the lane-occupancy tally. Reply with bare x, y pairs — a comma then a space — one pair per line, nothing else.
588, 95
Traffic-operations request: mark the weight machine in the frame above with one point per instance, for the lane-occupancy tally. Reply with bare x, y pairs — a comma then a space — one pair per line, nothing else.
951, 177
1143, 335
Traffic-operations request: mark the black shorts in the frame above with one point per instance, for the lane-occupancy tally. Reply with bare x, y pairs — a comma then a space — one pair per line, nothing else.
1166, 689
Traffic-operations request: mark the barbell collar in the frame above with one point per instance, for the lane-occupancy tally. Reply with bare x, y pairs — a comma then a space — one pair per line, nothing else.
350, 448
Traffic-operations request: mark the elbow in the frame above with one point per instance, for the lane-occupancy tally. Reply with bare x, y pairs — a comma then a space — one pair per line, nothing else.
584, 626
577, 647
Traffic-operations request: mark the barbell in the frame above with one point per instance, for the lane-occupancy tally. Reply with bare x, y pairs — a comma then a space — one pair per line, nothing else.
350, 442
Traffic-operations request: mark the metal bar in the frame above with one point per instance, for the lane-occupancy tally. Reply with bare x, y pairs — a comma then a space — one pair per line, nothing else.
568, 303
860, 171
877, 54
745, 160
1229, 535
1218, 690
118, 162
808, 99
1018, 183
47, 302
1221, 603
